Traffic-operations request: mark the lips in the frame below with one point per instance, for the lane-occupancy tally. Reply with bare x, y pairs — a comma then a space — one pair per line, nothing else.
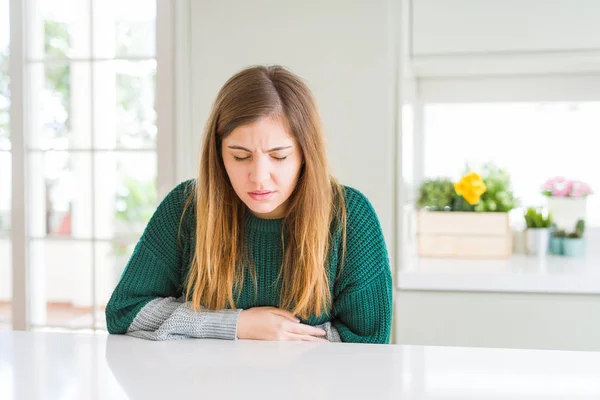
261, 192
261, 195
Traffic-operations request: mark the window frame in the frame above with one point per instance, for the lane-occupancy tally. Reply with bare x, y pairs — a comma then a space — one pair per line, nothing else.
164, 149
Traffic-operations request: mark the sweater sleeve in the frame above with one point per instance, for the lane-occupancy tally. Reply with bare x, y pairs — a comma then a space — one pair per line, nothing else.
362, 308
147, 302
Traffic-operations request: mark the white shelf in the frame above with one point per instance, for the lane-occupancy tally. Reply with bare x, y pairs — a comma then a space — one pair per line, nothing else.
520, 273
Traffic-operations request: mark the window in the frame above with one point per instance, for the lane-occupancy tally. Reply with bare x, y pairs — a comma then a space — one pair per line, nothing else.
532, 140
91, 153
5, 173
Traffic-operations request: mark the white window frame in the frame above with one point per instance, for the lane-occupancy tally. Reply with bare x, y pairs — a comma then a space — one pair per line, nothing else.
165, 142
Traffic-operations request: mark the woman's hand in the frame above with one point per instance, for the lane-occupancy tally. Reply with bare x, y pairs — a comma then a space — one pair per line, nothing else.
270, 323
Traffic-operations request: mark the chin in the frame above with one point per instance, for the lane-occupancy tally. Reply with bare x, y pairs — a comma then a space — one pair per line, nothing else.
262, 209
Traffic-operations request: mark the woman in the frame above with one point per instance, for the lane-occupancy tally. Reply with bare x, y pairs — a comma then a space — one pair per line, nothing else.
264, 244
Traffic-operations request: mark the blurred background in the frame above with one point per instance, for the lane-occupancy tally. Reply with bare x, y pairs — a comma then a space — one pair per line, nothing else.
87, 79
102, 106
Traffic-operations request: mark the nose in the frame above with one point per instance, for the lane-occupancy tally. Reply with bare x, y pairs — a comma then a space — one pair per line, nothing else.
259, 170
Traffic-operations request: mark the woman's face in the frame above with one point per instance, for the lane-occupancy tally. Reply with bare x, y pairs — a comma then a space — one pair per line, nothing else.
263, 162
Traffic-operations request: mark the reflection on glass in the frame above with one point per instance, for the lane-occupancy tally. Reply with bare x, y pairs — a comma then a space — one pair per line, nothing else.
58, 29
61, 283
60, 198
125, 193
124, 111
124, 28
111, 259
60, 106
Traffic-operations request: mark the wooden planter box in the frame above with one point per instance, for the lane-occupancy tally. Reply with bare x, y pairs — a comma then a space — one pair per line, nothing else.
464, 234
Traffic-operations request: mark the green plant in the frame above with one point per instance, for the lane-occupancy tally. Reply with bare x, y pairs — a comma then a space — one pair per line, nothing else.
535, 219
436, 194
440, 194
579, 230
460, 204
136, 201
498, 196
559, 234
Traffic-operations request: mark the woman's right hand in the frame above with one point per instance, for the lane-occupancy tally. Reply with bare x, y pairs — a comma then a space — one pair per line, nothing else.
270, 323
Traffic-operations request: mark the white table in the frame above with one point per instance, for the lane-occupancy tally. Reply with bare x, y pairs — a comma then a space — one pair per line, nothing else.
41, 365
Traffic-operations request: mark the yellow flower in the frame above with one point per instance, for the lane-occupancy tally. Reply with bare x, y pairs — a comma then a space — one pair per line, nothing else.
470, 187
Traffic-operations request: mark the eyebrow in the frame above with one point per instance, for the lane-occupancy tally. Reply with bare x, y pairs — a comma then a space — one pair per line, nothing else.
234, 147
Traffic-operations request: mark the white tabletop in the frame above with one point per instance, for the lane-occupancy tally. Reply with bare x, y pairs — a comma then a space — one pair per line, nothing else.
40, 365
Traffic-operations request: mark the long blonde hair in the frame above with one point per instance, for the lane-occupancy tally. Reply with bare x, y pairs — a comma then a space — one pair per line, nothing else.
316, 203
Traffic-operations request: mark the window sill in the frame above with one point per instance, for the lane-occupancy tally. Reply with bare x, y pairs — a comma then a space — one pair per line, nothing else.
520, 273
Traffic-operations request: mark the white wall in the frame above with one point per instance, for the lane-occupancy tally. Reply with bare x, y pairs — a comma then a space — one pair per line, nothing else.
346, 51
507, 320
492, 38
450, 27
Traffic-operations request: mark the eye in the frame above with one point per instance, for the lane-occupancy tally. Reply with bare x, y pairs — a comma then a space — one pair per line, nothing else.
241, 158
280, 158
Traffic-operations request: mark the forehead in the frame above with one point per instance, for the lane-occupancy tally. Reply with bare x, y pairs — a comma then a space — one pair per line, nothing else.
264, 130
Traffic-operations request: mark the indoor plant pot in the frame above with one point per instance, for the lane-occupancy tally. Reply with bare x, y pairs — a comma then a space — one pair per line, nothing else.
537, 240
574, 247
574, 243
556, 246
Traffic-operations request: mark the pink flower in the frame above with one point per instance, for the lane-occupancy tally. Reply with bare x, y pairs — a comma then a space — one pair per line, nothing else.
552, 183
581, 189
559, 186
562, 189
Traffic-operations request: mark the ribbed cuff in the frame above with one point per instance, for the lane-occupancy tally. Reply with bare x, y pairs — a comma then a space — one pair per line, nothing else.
333, 335
221, 324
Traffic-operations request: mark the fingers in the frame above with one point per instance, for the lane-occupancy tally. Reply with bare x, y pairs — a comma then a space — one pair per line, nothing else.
306, 338
302, 329
314, 339
285, 314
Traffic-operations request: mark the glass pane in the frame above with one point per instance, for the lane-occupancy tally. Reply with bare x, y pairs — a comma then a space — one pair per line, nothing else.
5, 243
4, 106
125, 190
60, 106
60, 194
124, 113
58, 29
61, 283
111, 259
532, 141
4, 28
4, 81
124, 28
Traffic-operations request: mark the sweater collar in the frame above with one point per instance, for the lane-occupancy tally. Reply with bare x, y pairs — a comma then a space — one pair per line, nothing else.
254, 223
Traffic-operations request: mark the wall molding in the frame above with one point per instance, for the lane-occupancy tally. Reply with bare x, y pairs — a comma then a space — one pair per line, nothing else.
185, 164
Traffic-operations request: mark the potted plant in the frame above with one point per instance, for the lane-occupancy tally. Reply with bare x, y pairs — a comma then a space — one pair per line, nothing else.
436, 195
475, 222
566, 200
538, 231
574, 244
557, 241
498, 196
